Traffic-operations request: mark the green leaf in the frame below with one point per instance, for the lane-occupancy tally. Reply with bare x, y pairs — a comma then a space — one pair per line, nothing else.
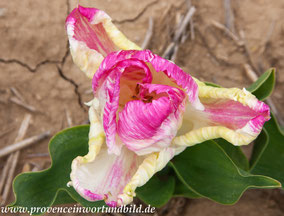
264, 86
63, 198
268, 153
209, 172
235, 153
48, 187
157, 191
181, 190
212, 84
259, 146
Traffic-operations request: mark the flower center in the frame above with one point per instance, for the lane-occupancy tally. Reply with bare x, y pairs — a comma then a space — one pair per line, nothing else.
144, 98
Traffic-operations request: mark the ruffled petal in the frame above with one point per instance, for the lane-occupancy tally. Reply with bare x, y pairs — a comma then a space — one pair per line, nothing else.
115, 179
99, 176
115, 84
233, 114
92, 36
117, 90
174, 74
152, 164
96, 133
104, 177
150, 127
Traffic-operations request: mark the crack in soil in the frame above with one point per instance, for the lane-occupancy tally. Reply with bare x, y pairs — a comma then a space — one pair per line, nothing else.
16, 61
59, 66
60, 63
76, 86
71, 81
138, 15
59, 69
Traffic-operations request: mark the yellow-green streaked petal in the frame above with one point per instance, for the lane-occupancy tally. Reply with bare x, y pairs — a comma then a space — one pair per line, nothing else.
230, 113
92, 36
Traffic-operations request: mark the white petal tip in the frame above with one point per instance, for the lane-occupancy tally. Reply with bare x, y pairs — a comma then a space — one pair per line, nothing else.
198, 105
245, 91
69, 184
89, 103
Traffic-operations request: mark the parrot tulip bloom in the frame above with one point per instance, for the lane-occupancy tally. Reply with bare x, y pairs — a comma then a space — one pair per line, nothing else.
145, 110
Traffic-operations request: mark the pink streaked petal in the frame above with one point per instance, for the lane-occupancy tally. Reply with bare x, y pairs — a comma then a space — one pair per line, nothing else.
149, 127
254, 126
90, 13
107, 66
257, 123
105, 177
126, 70
109, 114
263, 108
92, 196
175, 95
112, 204
80, 27
174, 73
233, 114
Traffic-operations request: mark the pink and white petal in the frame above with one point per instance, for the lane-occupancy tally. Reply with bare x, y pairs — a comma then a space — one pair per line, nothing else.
115, 178
96, 133
92, 36
97, 175
112, 91
152, 164
105, 177
126, 73
121, 59
174, 73
150, 127
161, 66
233, 114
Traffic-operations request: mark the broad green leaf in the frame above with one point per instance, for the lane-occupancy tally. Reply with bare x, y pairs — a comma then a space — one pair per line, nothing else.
259, 147
48, 187
62, 198
268, 152
235, 153
264, 86
162, 187
209, 172
157, 191
181, 190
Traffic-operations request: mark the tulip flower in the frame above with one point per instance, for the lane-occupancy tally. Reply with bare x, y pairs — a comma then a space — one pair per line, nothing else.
145, 110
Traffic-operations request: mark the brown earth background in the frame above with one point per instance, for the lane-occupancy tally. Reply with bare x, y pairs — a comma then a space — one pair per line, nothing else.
34, 59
